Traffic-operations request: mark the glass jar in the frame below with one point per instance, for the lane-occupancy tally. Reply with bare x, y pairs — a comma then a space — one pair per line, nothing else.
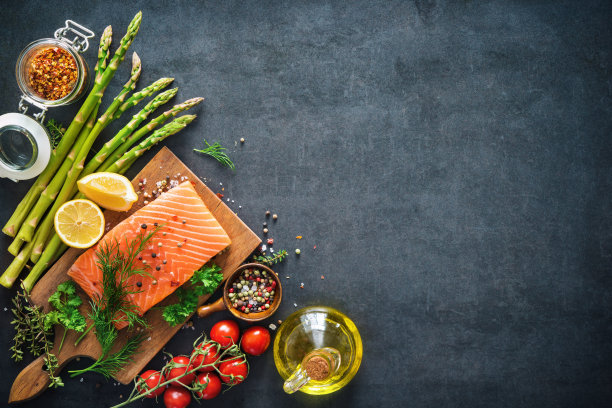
25, 148
24, 67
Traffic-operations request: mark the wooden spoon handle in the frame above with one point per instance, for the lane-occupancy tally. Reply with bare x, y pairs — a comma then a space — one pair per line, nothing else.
217, 306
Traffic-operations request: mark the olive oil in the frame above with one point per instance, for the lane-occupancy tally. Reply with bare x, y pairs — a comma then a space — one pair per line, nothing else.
322, 333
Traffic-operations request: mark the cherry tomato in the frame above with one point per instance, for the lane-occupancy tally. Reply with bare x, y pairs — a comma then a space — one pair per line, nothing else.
182, 365
151, 379
255, 340
207, 353
233, 368
212, 389
177, 397
225, 332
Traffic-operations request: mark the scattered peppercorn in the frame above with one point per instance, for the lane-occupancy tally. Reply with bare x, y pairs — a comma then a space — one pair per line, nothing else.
157, 268
164, 262
265, 230
184, 221
297, 251
267, 213
139, 284
153, 255
270, 241
265, 224
242, 140
143, 226
274, 217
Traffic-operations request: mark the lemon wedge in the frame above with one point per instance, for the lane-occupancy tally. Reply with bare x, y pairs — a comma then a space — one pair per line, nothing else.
109, 190
79, 223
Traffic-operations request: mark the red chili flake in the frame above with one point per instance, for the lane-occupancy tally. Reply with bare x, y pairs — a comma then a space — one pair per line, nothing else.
298, 237
53, 73
314, 247
219, 195
174, 283
174, 218
322, 277
270, 241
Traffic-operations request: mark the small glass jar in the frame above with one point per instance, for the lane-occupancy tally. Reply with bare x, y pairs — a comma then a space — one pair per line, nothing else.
23, 69
25, 147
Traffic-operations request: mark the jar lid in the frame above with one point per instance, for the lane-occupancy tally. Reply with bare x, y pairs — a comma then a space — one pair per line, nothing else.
25, 147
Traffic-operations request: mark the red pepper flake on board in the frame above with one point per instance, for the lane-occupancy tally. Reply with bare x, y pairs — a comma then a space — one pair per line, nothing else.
270, 241
53, 73
220, 195
298, 237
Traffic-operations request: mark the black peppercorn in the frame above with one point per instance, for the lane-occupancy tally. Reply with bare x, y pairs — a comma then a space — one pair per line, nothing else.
143, 226
139, 284
157, 268
153, 255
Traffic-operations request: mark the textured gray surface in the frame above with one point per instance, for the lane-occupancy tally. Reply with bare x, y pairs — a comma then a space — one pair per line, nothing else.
451, 161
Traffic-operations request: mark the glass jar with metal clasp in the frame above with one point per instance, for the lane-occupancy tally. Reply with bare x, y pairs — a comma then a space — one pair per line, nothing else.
50, 72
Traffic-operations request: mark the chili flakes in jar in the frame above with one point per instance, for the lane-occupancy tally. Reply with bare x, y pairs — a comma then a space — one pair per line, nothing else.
53, 73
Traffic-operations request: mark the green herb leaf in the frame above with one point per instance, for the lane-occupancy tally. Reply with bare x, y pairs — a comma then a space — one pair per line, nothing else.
66, 302
216, 151
271, 259
204, 281
56, 131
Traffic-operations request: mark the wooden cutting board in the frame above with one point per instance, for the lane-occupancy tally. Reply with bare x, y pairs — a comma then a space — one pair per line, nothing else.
33, 380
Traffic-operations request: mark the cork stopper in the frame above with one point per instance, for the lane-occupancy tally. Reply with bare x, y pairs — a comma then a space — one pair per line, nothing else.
317, 368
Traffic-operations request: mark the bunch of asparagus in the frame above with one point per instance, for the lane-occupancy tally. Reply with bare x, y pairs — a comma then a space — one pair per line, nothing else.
31, 224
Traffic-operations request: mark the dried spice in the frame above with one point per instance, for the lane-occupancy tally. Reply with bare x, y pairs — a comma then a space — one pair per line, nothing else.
53, 73
317, 368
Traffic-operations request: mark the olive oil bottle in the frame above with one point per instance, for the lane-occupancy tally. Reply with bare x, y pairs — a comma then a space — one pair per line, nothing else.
317, 350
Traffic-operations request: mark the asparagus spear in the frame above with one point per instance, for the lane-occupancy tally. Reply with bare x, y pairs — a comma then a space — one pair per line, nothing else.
105, 42
69, 188
122, 135
153, 123
168, 130
50, 193
56, 247
59, 154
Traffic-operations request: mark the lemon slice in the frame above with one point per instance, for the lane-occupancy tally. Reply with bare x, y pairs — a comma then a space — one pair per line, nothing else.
79, 223
109, 190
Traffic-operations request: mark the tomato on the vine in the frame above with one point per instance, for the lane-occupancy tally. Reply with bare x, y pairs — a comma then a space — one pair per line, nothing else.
234, 370
213, 387
177, 397
255, 340
182, 366
205, 354
225, 332
152, 378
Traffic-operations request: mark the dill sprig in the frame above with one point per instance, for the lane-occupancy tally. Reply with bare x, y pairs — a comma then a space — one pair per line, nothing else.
56, 131
271, 259
217, 152
113, 306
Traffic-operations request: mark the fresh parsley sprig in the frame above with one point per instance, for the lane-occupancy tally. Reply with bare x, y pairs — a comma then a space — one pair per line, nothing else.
216, 151
66, 303
203, 282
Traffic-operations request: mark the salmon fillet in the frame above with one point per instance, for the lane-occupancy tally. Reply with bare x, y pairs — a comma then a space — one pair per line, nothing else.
190, 236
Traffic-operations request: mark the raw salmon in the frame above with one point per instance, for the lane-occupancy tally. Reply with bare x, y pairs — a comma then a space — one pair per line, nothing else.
189, 237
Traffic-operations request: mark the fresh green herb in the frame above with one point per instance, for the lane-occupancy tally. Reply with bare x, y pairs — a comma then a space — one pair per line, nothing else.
31, 330
56, 131
217, 152
113, 305
271, 259
66, 303
203, 282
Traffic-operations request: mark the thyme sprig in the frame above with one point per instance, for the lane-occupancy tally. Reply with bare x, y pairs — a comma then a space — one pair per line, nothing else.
216, 151
113, 306
271, 259
31, 331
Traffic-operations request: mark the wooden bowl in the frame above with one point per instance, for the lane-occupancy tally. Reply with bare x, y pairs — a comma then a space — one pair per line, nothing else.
225, 303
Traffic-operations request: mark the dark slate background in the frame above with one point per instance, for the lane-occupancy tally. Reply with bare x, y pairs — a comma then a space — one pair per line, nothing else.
451, 161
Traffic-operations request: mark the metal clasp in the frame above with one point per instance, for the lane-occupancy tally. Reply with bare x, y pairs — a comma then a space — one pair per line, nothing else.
24, 106
81, 38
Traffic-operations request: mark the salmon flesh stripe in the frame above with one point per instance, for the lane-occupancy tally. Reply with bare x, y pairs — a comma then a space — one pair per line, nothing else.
188, 238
